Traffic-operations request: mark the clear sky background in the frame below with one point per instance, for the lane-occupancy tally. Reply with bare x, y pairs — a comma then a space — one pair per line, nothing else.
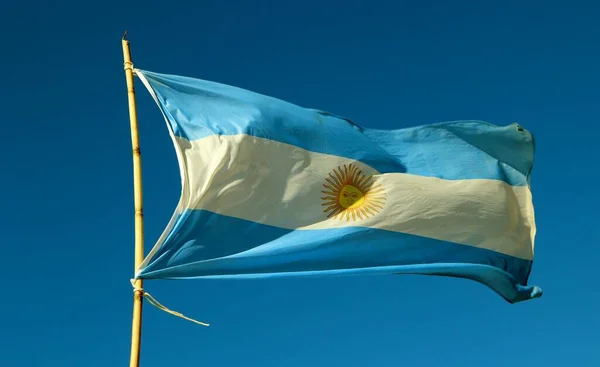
66, 199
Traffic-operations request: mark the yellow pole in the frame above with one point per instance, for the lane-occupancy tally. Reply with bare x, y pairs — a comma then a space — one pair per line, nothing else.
136, 327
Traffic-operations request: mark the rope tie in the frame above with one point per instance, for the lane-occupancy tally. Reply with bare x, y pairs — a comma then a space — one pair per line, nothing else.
161, 307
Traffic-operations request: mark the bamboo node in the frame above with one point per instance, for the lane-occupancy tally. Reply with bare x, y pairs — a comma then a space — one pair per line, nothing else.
128, 65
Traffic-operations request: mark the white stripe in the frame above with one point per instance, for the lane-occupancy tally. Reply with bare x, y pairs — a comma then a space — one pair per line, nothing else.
281, 185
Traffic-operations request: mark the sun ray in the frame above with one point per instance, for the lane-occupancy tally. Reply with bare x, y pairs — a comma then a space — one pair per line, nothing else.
376, 205
334, 181
332, 208
360, 182
368, 183
340, 177
374, 188
334, 214
331, 188
368, 210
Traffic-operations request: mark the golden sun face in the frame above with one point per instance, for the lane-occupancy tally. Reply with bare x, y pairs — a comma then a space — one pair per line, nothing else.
351, 195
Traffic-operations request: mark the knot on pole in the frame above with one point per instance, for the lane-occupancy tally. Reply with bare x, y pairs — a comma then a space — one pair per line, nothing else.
136, 289
155, 303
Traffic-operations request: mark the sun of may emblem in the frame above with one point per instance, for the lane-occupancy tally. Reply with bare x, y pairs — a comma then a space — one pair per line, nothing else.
351, 195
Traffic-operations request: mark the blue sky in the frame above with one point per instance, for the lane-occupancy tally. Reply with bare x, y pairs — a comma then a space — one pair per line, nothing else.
66, 174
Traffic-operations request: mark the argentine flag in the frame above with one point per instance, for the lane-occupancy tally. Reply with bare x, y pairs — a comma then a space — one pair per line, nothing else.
273, 189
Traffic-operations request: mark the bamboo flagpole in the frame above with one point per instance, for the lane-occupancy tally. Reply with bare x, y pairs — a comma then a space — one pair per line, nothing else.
138, 293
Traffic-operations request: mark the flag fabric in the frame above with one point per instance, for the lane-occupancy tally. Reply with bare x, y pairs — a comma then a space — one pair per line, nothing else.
273, 189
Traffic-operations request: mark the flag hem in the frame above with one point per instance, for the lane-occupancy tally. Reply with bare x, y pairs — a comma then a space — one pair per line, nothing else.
180, 162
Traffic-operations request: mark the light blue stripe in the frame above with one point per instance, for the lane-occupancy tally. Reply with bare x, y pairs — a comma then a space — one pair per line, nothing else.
453, 150
205, 244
